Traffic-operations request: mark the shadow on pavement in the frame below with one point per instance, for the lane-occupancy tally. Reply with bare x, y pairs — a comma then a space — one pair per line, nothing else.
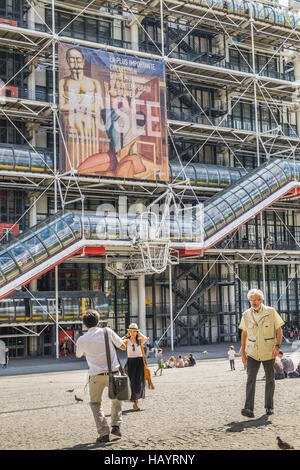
239, 426
92, 445
39, 408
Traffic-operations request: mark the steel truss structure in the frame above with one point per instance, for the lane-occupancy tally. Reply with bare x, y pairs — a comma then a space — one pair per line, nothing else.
233, 78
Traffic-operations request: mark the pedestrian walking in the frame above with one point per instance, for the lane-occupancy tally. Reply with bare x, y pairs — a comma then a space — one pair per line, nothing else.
231, 356
135, 363
65, 347
155, 347
146, 346
92, 346
160, 362
260, 343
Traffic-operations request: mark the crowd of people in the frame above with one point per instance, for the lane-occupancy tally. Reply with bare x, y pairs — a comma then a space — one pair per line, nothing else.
291, 333
172, 362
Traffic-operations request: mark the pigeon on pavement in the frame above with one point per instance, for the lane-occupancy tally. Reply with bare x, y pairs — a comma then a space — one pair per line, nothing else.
71, 390
283, 445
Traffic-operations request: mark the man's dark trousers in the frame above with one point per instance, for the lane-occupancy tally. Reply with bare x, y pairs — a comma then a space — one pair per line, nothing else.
252, 370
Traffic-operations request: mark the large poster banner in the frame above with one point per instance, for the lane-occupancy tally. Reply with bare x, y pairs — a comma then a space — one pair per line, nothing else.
112, 114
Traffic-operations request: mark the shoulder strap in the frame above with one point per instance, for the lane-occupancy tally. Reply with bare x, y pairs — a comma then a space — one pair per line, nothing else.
108, 353
107, 350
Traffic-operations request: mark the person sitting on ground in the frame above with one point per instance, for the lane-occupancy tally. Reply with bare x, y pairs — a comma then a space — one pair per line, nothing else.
295, 373
186, 361
171, 362
192, 360
180, 361
288, 365
278, 369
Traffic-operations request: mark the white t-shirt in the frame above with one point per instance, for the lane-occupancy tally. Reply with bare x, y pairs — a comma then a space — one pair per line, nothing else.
231, 354
133, 349
92, 344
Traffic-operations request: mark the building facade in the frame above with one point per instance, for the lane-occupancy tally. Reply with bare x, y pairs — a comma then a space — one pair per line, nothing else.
232, 80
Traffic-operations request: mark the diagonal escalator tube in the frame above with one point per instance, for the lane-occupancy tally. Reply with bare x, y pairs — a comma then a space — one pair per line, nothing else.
61, 236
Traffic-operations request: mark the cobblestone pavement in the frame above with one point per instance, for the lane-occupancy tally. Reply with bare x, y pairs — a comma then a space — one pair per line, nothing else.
191, 408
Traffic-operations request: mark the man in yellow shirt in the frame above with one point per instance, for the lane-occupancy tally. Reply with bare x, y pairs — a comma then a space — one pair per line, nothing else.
261, 340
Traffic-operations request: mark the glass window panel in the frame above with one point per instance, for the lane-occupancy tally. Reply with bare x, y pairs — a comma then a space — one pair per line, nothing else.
39, 308
113, 227
270, 180
254, 192
8, 266
213, 176
175, 232
36, 248
215, 215
49, 161
6, 158
63, 231
235, 203
209, 226
21, 256
78, 28
22, 313
64, 24
186, 230
226, 211
91, 30
280, 174
74, 221
37, 161
49, 239
7, 310
201, 175
22, 159
188, 172
225, 179
262, 186
70, 306
98, 227
244, 197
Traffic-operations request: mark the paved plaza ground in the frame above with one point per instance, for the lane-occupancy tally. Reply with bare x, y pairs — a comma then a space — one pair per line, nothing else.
195, 408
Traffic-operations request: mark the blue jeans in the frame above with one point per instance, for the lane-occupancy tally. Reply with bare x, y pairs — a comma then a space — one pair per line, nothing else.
232, 364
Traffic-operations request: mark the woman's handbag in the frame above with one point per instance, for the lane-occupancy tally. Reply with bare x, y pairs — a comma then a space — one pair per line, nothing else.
119, 384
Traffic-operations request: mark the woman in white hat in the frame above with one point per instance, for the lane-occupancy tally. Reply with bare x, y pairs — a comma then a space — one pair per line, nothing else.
135, 363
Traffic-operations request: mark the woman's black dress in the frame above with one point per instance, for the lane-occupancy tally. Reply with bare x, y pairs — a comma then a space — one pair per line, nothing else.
135, 370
